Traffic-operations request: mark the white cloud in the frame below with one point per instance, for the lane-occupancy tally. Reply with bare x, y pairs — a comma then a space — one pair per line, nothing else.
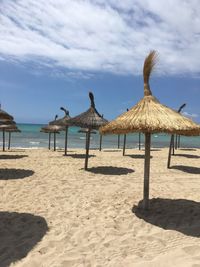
102, 35
190, 115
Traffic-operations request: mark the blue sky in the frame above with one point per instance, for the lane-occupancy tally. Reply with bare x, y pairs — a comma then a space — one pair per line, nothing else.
52, 53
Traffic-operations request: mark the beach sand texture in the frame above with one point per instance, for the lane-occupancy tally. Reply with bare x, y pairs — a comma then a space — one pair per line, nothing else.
55, 214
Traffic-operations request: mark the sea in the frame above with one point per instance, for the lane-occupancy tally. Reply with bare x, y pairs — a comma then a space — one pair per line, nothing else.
31, 137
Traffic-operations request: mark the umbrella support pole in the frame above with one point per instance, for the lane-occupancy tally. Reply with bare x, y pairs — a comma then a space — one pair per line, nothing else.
171, 146
9, 139
49, 141
139, 141
54, 141
87, 148
3, 139
100, 142
124, 145
176, 141
146, 171
118, 141
179, 141
66, 134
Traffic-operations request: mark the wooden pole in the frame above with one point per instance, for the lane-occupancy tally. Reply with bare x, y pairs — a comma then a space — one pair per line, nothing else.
124, 145
66, 134
118, 141
54, 141
179, 140
170, 151
146, 171
9, 139
100, 142
3, 139
139, 141
49, 141
176, 141
173, 145
87, 148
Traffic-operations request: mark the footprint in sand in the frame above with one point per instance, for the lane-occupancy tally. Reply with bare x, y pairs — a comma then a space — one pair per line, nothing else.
192, 251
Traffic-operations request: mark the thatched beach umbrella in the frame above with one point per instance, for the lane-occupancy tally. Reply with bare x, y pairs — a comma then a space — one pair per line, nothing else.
52, 129
44, 130
90, 119
64, 123
6, 125
150, 116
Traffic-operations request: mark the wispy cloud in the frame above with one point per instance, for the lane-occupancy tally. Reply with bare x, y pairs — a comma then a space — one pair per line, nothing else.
190, 115
102, 35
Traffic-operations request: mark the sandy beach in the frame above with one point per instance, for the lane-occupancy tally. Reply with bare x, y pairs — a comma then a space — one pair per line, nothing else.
55, 214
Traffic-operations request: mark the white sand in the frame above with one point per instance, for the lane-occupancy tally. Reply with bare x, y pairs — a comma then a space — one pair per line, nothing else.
59, 215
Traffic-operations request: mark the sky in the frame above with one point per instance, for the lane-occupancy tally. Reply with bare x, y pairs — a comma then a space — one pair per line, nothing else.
52, 53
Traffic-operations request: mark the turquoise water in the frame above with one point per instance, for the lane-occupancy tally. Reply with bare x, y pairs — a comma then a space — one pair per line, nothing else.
31, 137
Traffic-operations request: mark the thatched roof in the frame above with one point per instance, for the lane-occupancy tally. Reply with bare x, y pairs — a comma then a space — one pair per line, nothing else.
13, 130
90, 118
4, 115
149, 115
86, 130
63, 121
51, 129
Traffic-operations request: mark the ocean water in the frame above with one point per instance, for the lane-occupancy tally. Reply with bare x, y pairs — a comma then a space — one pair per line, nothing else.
31, 137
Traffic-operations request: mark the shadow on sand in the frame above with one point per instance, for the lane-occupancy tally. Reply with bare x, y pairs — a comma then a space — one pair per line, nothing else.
20, 232
181, 215
111, 150
79, 156
187, 156
188, 149
188, 169
137, 156
110, 170
10, 174
12, 156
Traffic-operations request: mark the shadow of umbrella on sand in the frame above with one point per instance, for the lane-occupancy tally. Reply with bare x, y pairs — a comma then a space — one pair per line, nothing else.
90, 119
150, 116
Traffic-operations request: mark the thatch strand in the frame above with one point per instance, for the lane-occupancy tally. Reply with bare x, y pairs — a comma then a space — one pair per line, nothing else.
91, 96
149, 65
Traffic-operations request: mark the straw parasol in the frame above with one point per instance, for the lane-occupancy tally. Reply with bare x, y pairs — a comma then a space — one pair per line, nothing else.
150, 116
5, 125
52, 129
64, 123
90, 119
